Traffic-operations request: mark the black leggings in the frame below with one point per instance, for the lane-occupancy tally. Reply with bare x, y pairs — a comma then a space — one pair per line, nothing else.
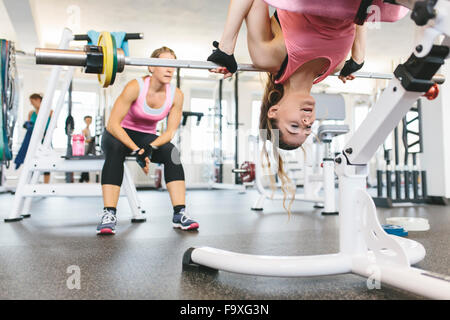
115, 153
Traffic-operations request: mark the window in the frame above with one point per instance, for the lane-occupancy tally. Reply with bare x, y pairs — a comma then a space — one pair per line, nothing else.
83, 104
202, 137
205, 138
256, 110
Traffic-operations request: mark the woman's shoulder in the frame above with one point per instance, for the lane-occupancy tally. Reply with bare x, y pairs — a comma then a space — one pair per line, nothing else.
139, 82
178, 93
131, 89
136, 83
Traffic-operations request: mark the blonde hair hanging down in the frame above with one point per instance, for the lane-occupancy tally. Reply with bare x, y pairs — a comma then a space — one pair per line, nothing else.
269, 131
287, 186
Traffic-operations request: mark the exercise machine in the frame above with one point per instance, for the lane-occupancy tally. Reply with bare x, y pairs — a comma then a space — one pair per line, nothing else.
9, 101
41, 158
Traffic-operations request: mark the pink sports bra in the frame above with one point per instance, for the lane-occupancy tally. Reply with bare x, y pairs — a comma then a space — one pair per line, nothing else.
143, 118
323, 29
308, 37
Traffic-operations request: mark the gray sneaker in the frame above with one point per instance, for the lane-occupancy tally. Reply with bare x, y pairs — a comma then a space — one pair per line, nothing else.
183, 222
108, 223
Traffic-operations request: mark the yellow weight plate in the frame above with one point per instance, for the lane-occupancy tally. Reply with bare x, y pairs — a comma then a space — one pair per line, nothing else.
105, 41
114, 72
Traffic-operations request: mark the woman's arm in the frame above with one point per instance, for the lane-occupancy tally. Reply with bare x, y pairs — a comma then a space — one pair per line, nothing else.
120, 109
359, 44
173, 120
86, 135
358, 51
29, 115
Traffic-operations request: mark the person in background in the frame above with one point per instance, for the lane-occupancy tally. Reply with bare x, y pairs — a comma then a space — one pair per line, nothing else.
89, 145
35, 100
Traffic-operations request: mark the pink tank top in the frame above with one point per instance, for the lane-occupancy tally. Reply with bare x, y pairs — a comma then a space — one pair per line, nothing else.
342, 9
308, 37
324, 28
143, 118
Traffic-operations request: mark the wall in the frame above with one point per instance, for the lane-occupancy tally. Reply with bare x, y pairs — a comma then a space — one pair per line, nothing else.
436, 134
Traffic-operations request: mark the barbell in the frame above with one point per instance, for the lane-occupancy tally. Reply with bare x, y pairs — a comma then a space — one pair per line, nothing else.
106, 60
247, 171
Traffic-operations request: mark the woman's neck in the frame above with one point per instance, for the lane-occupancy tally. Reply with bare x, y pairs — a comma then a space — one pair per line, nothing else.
299, 82
156, 86
302, 80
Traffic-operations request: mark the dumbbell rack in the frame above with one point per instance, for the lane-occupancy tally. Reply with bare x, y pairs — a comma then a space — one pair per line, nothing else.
41, 158
411, 174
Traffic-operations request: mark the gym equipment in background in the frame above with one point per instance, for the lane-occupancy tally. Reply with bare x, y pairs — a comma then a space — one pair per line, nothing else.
9, 97
217, 177
395, 230
9, 101
41, 158
246, 171
410, 223
411, 178
69, 129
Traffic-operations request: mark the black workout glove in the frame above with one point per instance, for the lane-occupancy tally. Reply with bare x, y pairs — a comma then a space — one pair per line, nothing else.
350, 66
28, 125
140, 158
223, 59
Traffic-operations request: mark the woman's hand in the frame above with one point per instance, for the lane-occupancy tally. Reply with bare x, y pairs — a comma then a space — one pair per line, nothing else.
350, 67
349, 77
147, 162
223, 71
223, 58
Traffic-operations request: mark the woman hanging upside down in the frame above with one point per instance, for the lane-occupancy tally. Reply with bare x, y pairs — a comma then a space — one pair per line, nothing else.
300, 45
298, 48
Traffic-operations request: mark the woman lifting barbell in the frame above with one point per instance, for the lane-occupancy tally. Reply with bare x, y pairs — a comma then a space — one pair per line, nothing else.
131, 131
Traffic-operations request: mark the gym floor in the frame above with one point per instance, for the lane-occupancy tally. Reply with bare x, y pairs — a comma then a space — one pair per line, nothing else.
144, 260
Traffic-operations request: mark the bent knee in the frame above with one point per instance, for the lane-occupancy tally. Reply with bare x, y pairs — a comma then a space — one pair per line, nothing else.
169, 153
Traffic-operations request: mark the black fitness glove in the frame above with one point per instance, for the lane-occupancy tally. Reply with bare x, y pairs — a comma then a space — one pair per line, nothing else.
221, 58
28, 125
350, 66
140, 158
